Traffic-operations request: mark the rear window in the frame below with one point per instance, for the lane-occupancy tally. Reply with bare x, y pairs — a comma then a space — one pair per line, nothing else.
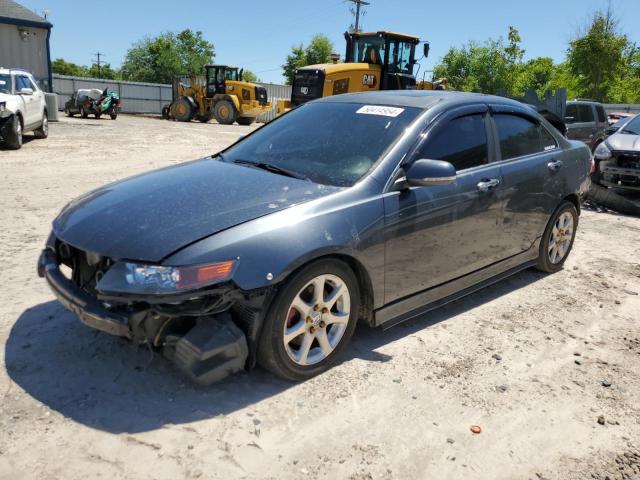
329, 143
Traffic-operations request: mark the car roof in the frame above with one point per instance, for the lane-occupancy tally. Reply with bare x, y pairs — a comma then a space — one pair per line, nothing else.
419, 98
8, 71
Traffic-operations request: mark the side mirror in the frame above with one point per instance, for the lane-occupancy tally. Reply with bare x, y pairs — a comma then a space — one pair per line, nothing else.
425, 49
423, 173
26, 91
569, 119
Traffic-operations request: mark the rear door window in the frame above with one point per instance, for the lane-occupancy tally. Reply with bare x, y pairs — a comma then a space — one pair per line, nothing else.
519, 136
572, 113
462, 142
585, 113
602, 116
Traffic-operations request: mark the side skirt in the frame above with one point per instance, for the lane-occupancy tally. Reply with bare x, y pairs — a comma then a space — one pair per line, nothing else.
425, 301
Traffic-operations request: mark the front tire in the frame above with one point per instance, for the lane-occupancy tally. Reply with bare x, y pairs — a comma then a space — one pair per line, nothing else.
83, 112
225, 112
558, 238
310, 321
14, 138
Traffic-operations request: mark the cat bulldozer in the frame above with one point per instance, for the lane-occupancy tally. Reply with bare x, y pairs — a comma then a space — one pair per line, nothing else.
220, 93
373, 61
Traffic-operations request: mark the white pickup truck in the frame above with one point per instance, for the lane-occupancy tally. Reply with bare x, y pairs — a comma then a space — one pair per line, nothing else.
22, 108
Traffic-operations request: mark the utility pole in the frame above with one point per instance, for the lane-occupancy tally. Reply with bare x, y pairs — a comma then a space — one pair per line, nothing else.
358, 3
98, 62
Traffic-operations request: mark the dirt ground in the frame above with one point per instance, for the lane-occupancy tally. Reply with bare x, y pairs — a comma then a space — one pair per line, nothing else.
535, 360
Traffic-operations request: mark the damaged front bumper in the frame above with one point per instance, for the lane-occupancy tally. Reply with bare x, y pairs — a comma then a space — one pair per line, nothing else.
206, 348
622, 171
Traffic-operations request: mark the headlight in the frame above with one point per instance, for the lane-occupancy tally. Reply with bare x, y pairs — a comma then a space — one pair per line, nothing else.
602, 152
125, 277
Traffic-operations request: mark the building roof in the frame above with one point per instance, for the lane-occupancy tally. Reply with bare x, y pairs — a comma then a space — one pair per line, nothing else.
15, 14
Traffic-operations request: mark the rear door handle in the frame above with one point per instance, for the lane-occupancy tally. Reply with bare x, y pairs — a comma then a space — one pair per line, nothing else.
554, 165
486, 185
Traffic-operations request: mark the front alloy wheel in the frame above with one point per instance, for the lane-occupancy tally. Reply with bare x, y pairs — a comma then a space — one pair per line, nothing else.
310, 321
317, 320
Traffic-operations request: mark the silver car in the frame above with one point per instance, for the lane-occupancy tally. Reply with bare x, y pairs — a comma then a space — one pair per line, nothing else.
618, 158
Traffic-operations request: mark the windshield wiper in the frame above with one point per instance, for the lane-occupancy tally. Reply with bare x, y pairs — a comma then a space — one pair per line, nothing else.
272, 168
624, 130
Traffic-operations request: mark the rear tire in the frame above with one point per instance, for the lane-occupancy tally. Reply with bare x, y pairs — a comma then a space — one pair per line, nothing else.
83, 112
246, 120
113, 115
68, 112
225, 112
320, 322
165, 112
98, 115
14, 139
43, 131
183, 110
558, 238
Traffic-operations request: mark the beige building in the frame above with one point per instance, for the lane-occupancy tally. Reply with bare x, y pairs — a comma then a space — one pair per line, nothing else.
24, 42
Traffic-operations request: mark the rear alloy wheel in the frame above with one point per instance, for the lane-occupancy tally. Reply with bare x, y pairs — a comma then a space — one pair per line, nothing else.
43, 131
14, 138
311, 321
558, 238
224, 112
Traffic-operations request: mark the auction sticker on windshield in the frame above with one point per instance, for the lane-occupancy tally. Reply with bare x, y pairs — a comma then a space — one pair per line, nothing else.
379, 110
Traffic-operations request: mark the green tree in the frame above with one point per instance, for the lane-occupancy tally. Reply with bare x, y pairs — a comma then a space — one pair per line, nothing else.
105, 71
295, 59
249, 76
599, 57
486, 67
160, 58
318, 51
536, 73
62, 67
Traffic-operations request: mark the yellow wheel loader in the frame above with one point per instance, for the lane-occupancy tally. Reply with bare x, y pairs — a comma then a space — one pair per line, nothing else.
220, 93
373, 61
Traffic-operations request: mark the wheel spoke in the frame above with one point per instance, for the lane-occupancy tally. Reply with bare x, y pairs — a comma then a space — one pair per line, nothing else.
301, 306
560, 251
554, 253
337, 317
294, 331
323, 340
305, 346
318, 289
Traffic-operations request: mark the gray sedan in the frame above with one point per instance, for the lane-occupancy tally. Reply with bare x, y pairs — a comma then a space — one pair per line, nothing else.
371, 207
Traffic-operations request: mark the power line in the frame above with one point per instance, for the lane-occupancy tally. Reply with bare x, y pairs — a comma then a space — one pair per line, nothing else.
358, 4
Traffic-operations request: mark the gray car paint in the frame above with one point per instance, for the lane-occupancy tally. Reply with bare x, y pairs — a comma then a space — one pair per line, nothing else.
354, 222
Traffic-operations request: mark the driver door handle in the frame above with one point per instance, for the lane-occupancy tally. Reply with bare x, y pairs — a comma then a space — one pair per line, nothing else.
554, 165
487, 185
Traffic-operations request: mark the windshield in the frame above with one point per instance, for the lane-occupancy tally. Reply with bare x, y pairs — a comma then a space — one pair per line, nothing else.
632, 126
328, 143
231, 74
5, 83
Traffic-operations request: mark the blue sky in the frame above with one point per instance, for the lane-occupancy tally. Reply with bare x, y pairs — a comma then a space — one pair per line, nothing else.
259, 36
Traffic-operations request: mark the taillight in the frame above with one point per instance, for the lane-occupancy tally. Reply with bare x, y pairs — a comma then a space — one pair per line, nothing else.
592, 169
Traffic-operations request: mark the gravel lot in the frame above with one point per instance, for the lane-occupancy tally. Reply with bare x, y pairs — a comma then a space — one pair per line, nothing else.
534, 360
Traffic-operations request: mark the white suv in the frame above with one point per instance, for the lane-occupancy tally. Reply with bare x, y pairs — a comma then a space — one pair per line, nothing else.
22, 108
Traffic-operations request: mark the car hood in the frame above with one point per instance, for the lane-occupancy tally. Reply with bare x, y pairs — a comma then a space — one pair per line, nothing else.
6, 98
625, 142
152, 215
